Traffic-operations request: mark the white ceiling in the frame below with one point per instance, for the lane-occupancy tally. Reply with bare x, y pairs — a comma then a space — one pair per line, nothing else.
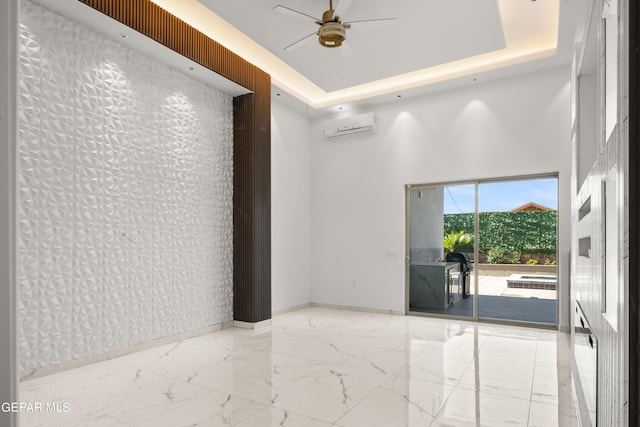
434, 44
426, 33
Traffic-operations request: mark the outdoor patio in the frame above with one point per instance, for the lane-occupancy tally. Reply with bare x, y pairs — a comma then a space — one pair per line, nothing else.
498, 301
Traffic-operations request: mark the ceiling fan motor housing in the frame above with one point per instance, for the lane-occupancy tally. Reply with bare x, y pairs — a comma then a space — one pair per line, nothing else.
332, 34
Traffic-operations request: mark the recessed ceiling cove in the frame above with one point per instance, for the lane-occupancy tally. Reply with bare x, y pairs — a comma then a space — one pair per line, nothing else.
424, 33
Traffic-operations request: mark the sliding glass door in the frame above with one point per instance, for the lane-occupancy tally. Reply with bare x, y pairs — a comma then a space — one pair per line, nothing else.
438, 283
517, 268
484, 249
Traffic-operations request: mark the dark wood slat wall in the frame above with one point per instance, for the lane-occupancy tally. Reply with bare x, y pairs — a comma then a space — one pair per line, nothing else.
251, 143
251, 227
634, 210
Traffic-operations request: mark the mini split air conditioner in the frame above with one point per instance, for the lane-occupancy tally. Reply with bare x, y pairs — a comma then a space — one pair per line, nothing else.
359, 124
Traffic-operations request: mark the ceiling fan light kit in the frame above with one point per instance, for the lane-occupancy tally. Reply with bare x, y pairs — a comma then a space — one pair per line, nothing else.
332, 34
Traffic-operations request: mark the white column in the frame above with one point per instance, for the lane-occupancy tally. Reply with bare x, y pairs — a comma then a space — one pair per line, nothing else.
8, 348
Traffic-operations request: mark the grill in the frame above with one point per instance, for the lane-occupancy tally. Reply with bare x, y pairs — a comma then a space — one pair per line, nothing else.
465, 268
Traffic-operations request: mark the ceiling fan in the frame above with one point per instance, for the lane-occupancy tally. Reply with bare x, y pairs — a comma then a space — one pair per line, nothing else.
332, 32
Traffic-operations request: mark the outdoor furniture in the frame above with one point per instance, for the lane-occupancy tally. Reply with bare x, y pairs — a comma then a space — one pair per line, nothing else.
465, 268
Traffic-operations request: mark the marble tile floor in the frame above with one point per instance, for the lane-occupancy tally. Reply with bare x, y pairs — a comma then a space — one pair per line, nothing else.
321, 367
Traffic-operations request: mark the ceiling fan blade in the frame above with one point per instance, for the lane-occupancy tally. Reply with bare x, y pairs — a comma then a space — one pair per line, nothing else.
373, 24
295, 13
302, 41
341, 8
346, 50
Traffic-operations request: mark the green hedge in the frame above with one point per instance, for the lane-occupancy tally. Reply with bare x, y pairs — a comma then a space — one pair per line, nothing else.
509, 232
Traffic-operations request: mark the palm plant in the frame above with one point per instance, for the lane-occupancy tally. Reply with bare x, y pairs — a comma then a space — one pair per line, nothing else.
455, 240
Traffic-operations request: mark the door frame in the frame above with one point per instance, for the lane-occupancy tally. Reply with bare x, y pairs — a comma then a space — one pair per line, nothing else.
476, 183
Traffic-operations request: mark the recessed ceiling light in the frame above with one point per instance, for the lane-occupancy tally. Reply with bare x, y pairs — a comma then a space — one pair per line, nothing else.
475, 80
523, 43
399, 96
339, 108
191, 68
277, 94
123, 35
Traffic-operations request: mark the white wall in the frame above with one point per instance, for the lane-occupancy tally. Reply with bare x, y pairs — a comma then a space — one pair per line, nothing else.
511, 127
290, 208
426, 224
125, 190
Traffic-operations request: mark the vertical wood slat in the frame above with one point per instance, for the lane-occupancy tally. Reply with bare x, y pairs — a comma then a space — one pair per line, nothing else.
251, 139
149, 19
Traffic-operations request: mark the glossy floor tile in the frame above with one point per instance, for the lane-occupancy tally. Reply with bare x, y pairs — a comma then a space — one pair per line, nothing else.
321, 367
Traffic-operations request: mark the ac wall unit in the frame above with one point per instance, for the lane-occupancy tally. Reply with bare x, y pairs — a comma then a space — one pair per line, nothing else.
361, 123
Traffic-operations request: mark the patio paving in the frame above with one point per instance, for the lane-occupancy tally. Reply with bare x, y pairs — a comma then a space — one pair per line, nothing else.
497, 301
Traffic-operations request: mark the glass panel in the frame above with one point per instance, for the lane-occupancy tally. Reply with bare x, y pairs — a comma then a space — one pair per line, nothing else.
517, 271
439, 282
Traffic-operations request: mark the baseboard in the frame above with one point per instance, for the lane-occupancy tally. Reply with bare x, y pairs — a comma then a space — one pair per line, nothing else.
29, 374
360, 309
290, 309
251, 325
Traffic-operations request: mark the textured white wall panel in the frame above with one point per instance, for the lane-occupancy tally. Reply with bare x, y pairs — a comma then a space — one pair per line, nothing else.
124, 195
